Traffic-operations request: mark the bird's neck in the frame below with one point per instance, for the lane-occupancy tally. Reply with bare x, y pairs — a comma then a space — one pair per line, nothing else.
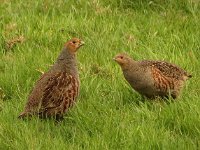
133, 72
131, 66
66, 62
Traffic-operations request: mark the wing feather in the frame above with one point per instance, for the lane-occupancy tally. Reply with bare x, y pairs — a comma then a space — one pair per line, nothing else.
57, 92
53, 93
167, 69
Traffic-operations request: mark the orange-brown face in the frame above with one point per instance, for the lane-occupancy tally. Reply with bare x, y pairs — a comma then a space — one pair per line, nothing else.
121, 59
74, 44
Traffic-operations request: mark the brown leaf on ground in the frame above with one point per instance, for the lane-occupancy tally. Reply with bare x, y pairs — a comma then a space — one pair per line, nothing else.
10, 43
2, 94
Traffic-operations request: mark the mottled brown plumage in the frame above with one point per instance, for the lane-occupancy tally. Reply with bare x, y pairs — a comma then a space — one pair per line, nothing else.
56, 90
153, 78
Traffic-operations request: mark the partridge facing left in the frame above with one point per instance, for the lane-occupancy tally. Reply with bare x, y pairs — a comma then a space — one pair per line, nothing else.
56, 90
152, 78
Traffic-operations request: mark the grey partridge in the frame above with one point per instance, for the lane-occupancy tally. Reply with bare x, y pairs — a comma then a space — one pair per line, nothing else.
56, 90
152, 78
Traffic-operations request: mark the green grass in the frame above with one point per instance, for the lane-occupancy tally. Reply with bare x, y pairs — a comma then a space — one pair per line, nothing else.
108, 115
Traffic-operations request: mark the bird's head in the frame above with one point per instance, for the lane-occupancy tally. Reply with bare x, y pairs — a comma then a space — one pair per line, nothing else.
73, 45
122, 59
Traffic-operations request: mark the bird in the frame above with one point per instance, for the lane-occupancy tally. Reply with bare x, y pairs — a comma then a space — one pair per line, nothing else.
152, 78
57, 89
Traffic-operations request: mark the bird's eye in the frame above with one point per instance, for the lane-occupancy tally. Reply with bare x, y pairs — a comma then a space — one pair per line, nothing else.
121, 57
73, 42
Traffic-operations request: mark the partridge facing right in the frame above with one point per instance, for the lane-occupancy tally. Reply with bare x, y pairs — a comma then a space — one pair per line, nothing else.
57, 89
153, 78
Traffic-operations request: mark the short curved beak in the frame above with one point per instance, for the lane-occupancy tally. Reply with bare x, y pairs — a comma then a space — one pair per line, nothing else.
114, 59
82, 43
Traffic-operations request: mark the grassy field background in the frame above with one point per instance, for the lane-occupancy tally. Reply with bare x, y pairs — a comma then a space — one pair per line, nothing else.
108, 115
